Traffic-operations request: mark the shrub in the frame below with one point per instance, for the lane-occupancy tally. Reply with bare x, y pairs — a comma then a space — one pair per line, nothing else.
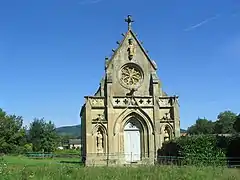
200, 149
28, 147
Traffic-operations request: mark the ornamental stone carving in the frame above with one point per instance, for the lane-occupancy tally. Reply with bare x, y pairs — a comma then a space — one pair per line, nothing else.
99, 138
167, 116
99, 119
167, 134
165, 102
97, 102
131, 49
131, 76
132, 101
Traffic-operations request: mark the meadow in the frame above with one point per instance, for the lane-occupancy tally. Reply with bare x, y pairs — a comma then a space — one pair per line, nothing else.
23, 168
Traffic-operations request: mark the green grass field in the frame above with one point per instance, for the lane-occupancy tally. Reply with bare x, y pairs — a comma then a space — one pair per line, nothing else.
23, 168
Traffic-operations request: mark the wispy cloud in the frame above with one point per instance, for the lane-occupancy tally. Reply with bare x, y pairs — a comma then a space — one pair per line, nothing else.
82, 2
202, 23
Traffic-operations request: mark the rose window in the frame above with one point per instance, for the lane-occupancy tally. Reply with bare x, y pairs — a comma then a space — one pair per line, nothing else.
131, 76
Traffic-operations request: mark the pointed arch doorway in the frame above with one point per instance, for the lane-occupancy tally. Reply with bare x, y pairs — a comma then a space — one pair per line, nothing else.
132, 141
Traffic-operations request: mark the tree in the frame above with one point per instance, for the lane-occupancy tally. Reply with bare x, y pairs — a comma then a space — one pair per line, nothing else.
202, 126
51, 139
43, 135
236, 124
225, 123
12, 133
36, 134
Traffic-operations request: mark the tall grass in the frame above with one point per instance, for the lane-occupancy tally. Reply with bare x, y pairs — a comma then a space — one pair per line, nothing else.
19, 168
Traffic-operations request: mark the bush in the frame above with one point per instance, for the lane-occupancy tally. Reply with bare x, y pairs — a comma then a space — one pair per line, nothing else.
201, 150
28, 147
195, 150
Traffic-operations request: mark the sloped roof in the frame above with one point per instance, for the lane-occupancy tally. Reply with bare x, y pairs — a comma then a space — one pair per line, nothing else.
74, 141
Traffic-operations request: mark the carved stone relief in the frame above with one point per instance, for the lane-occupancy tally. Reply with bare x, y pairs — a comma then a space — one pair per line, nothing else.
100, 118
99, 141
97, 102
131, 49
164, 102
167, 116
132, 101
167, 134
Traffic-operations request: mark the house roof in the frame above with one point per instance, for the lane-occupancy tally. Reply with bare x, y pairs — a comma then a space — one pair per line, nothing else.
74, 141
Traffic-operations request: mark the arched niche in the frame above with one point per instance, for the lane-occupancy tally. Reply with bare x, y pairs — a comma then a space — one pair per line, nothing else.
100, 138
167, 132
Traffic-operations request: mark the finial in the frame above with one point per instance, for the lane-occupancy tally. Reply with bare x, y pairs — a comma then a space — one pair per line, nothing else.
129, 21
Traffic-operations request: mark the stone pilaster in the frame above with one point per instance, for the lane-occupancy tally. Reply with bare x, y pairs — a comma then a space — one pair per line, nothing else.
176, 117
156, 114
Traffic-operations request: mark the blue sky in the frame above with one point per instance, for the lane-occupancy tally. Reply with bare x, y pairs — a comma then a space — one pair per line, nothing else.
52, 53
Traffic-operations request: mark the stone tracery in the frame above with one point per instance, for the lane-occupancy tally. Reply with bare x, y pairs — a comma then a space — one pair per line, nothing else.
130, 75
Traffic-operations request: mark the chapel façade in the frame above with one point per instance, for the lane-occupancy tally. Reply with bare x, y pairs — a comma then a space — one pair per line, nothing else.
130, 116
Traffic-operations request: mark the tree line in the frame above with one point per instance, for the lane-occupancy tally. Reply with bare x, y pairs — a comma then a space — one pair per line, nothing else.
41, 136
227, 122
16, 138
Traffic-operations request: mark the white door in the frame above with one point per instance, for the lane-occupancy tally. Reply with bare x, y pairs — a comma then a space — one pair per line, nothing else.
136, 145
127, 145
132, 145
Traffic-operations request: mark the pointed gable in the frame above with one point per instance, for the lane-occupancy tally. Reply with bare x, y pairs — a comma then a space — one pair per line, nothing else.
128, 35
130, 57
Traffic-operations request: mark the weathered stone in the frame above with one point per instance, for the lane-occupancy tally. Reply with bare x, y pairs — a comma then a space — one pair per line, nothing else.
130, 96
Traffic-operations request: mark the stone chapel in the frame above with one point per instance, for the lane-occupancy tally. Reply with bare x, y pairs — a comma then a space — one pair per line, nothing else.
130, 116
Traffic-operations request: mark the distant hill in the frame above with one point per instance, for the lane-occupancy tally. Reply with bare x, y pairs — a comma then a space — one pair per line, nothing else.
75, 131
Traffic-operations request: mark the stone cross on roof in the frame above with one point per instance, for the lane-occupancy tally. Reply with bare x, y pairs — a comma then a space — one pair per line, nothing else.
129, 21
